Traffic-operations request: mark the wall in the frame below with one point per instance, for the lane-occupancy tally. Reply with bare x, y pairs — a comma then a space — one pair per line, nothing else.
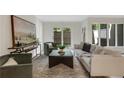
39, 33
5, 34
5, 31
88, 32
75, 31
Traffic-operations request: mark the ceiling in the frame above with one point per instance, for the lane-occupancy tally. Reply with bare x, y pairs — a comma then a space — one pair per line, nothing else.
61, 18
72, 18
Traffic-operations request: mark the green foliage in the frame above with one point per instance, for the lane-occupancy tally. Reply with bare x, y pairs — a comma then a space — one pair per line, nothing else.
66, 29
97, 26
61, 46
56, 29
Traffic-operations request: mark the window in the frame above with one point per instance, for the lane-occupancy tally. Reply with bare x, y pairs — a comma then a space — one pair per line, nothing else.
103, 34
62, 36
120, 34
66, 36
57, 35
111, 38
95, 29
108, 34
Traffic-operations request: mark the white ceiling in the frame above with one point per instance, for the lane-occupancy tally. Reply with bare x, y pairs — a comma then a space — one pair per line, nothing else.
72, 18
61, 18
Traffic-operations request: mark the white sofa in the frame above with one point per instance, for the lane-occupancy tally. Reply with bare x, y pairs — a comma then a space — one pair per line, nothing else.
107, 65
102, 62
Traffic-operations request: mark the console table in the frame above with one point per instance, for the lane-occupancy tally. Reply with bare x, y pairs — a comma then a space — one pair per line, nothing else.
26, 49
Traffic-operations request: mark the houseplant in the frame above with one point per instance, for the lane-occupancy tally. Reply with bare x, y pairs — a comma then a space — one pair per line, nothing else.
61, 49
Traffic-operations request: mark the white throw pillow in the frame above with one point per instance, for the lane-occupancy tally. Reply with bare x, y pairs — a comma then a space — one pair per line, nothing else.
11, 61
81, 45
50, 45
93, 47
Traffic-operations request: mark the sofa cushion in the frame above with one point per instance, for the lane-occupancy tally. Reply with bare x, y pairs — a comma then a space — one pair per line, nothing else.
86, 47
80, 53
107, 51
93, 47
86, 61
50, 45
11, 61
98, 50
81, 45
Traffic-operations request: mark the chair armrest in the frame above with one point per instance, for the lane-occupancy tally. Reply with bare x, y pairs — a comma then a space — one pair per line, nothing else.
16, 71
107, 65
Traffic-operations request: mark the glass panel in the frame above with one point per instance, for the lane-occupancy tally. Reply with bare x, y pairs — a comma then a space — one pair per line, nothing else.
103, 34
111, 29
95, 29
120, 34
67, 36
57, 35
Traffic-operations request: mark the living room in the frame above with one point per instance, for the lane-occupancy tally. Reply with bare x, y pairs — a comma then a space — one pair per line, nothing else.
73, 46
90, 39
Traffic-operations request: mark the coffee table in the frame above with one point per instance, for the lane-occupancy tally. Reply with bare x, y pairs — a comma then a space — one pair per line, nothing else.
55, 58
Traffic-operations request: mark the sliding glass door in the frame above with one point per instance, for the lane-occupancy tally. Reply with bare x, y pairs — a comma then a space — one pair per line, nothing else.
111, 37
108, 34
95, 32
120, 34
103, 34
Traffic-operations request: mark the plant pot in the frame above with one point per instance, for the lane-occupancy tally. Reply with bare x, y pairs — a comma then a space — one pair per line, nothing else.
61, 50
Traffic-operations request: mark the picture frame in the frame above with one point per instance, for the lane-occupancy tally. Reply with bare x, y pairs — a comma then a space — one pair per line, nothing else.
23, 32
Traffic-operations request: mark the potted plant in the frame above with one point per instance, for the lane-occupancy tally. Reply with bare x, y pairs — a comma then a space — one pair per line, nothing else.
61, 47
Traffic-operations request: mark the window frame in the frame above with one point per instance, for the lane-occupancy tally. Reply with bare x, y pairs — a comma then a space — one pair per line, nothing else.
116, 34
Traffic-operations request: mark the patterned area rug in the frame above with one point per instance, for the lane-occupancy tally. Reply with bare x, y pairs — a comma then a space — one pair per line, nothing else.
41, 69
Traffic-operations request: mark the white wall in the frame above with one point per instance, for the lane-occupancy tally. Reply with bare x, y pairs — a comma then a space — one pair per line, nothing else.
75, 31
88, 32
39, 33
6, 34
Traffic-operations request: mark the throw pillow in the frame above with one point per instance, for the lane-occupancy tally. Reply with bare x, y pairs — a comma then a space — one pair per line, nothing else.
76, 46
50, 45
86, 47
92, 49
81, 45
11, 61
98, 50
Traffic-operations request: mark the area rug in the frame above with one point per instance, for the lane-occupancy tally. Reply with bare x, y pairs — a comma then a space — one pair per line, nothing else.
41, 69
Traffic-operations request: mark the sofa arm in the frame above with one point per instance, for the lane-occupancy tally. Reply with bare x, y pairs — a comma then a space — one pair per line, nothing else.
107, 65
16, 71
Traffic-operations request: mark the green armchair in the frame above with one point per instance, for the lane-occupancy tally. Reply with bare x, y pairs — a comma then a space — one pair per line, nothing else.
23, 69
48, 47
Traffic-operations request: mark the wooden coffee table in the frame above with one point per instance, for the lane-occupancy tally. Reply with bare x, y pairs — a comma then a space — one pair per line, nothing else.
55, 58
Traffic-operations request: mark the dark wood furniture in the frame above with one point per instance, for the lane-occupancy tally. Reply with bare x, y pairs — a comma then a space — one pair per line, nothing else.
55, 58
26, 49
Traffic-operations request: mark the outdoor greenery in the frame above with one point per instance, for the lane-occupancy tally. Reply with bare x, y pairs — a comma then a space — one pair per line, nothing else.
97, 26
66, 29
